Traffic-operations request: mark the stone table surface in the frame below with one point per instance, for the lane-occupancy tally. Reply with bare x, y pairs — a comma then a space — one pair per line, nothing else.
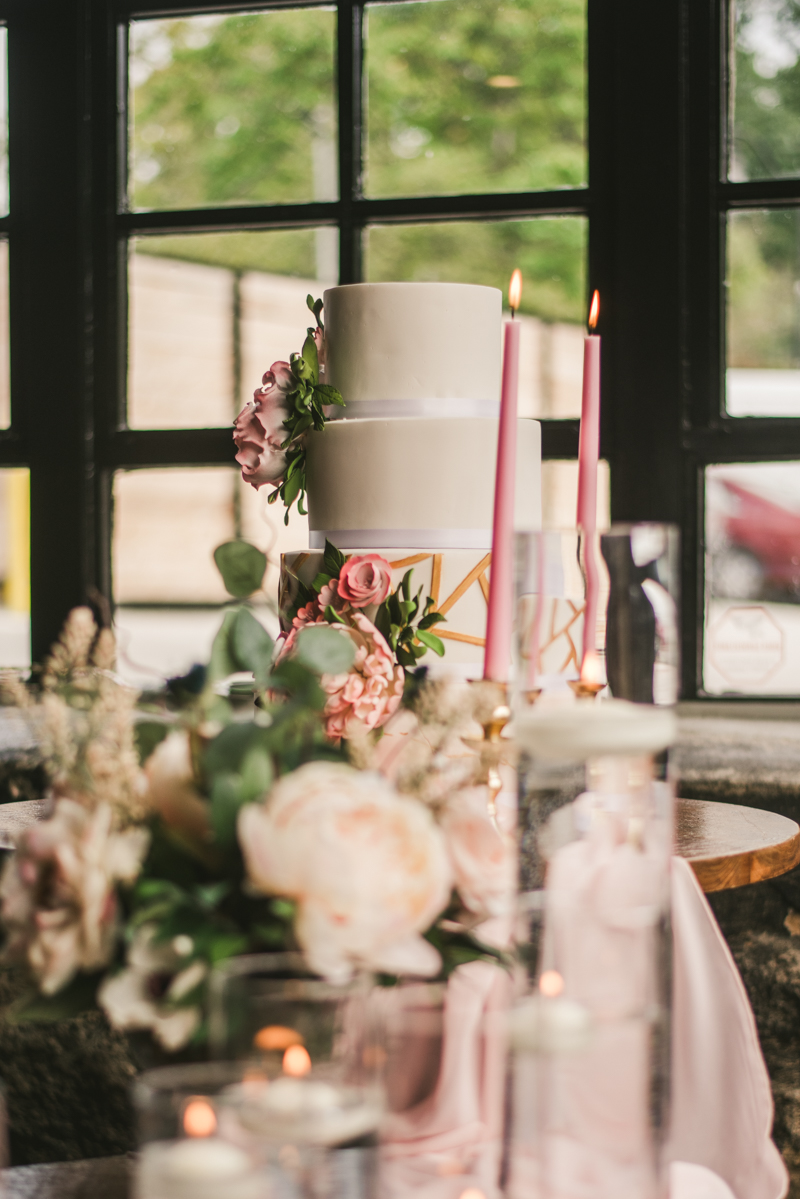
92, 1178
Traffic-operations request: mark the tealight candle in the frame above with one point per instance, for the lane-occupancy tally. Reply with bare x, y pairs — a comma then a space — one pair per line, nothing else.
544, 1025
197, 1168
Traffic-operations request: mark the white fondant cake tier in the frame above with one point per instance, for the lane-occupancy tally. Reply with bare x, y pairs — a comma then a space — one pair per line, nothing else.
424, 483
424, 343
458, 580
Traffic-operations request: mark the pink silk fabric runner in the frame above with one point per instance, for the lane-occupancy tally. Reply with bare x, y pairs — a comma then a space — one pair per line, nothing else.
722, 1110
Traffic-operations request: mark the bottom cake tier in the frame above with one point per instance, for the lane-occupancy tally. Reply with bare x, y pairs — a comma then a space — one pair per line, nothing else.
458, 580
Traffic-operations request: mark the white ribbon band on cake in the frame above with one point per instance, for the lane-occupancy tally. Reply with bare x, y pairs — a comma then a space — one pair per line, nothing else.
396, 539
427, 408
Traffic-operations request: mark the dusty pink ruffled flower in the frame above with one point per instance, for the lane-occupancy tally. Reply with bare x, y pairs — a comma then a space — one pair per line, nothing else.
365, 579
482, 858
368, 868
258, 429
59, 903
330, 594
365, 696
319, 341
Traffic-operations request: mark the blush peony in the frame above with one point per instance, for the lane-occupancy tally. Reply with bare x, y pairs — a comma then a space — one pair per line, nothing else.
367, 695
368, 867
365, 579
482, 858
58, 898
258, 429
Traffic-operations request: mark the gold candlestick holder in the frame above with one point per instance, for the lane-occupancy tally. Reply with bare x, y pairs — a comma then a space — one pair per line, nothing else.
584, 689
492, 714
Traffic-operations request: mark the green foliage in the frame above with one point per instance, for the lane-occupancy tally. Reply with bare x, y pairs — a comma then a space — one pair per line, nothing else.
242, 567
147, 735
239, 108
76, 997
406, 624
242, 644
325, 651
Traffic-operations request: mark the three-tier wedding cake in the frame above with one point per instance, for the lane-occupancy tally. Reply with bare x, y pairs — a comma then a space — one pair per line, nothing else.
408, 471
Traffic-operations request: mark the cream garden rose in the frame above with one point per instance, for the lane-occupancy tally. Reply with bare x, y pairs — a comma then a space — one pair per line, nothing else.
483, 859
368, 868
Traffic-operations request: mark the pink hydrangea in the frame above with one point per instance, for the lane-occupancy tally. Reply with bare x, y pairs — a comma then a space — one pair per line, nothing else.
367, 694
258, 429
365, 579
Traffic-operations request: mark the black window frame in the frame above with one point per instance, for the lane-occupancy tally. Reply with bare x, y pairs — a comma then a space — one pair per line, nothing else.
656, 205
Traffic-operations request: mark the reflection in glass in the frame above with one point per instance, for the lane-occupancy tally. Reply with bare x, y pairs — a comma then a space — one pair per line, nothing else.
209, 313
764, 142
167, 523
763, 318
752, 637
232, 110
472, 96
551, 253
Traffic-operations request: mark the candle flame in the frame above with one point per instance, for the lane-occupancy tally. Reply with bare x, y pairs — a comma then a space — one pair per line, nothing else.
594, 310
515, 290
276, 1036
199, 1118
551, 984
591, 670
472, 1193
296, 1061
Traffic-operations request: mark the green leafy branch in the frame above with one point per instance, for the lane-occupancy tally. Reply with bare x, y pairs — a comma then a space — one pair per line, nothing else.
305, 401
406, 623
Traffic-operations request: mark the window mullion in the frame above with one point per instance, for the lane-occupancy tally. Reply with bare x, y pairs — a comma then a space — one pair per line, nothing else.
350, 91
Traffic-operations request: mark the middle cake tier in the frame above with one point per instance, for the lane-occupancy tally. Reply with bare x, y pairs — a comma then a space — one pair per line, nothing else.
425, 483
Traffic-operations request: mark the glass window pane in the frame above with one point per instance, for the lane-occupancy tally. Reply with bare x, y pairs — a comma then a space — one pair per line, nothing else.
475, 96
560, 494
551, 252
15, 571
167, 523
752, 619
209, 313
5, 378
233, 110
765, 80
763, 320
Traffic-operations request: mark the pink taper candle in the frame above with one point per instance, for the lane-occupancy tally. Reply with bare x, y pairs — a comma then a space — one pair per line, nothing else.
497, 656
588, 455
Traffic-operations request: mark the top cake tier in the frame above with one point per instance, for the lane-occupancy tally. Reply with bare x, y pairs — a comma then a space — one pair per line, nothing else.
414, 349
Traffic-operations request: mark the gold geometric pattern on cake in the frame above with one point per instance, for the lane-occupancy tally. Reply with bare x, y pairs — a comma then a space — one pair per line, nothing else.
477, 574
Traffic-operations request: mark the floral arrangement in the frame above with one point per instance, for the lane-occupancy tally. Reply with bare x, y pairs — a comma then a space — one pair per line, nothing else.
280, 818
270, 431
390, 631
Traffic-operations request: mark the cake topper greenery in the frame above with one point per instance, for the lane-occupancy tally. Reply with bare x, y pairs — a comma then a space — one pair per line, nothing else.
283, 814
271, 430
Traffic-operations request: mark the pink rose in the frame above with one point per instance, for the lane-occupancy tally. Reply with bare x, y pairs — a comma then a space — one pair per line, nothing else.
258, 429
365, 579
330, 594
319, 341
367, 694
367, 866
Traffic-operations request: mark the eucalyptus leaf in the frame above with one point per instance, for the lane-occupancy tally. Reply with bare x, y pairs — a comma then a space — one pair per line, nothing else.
227, 797
222, 662
257, 773
251, 643
226, 752
324, 650
242, 567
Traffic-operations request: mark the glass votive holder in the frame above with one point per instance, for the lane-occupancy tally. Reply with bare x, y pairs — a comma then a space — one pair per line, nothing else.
597, 610
311, 1100
590, 1028
189, 1146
